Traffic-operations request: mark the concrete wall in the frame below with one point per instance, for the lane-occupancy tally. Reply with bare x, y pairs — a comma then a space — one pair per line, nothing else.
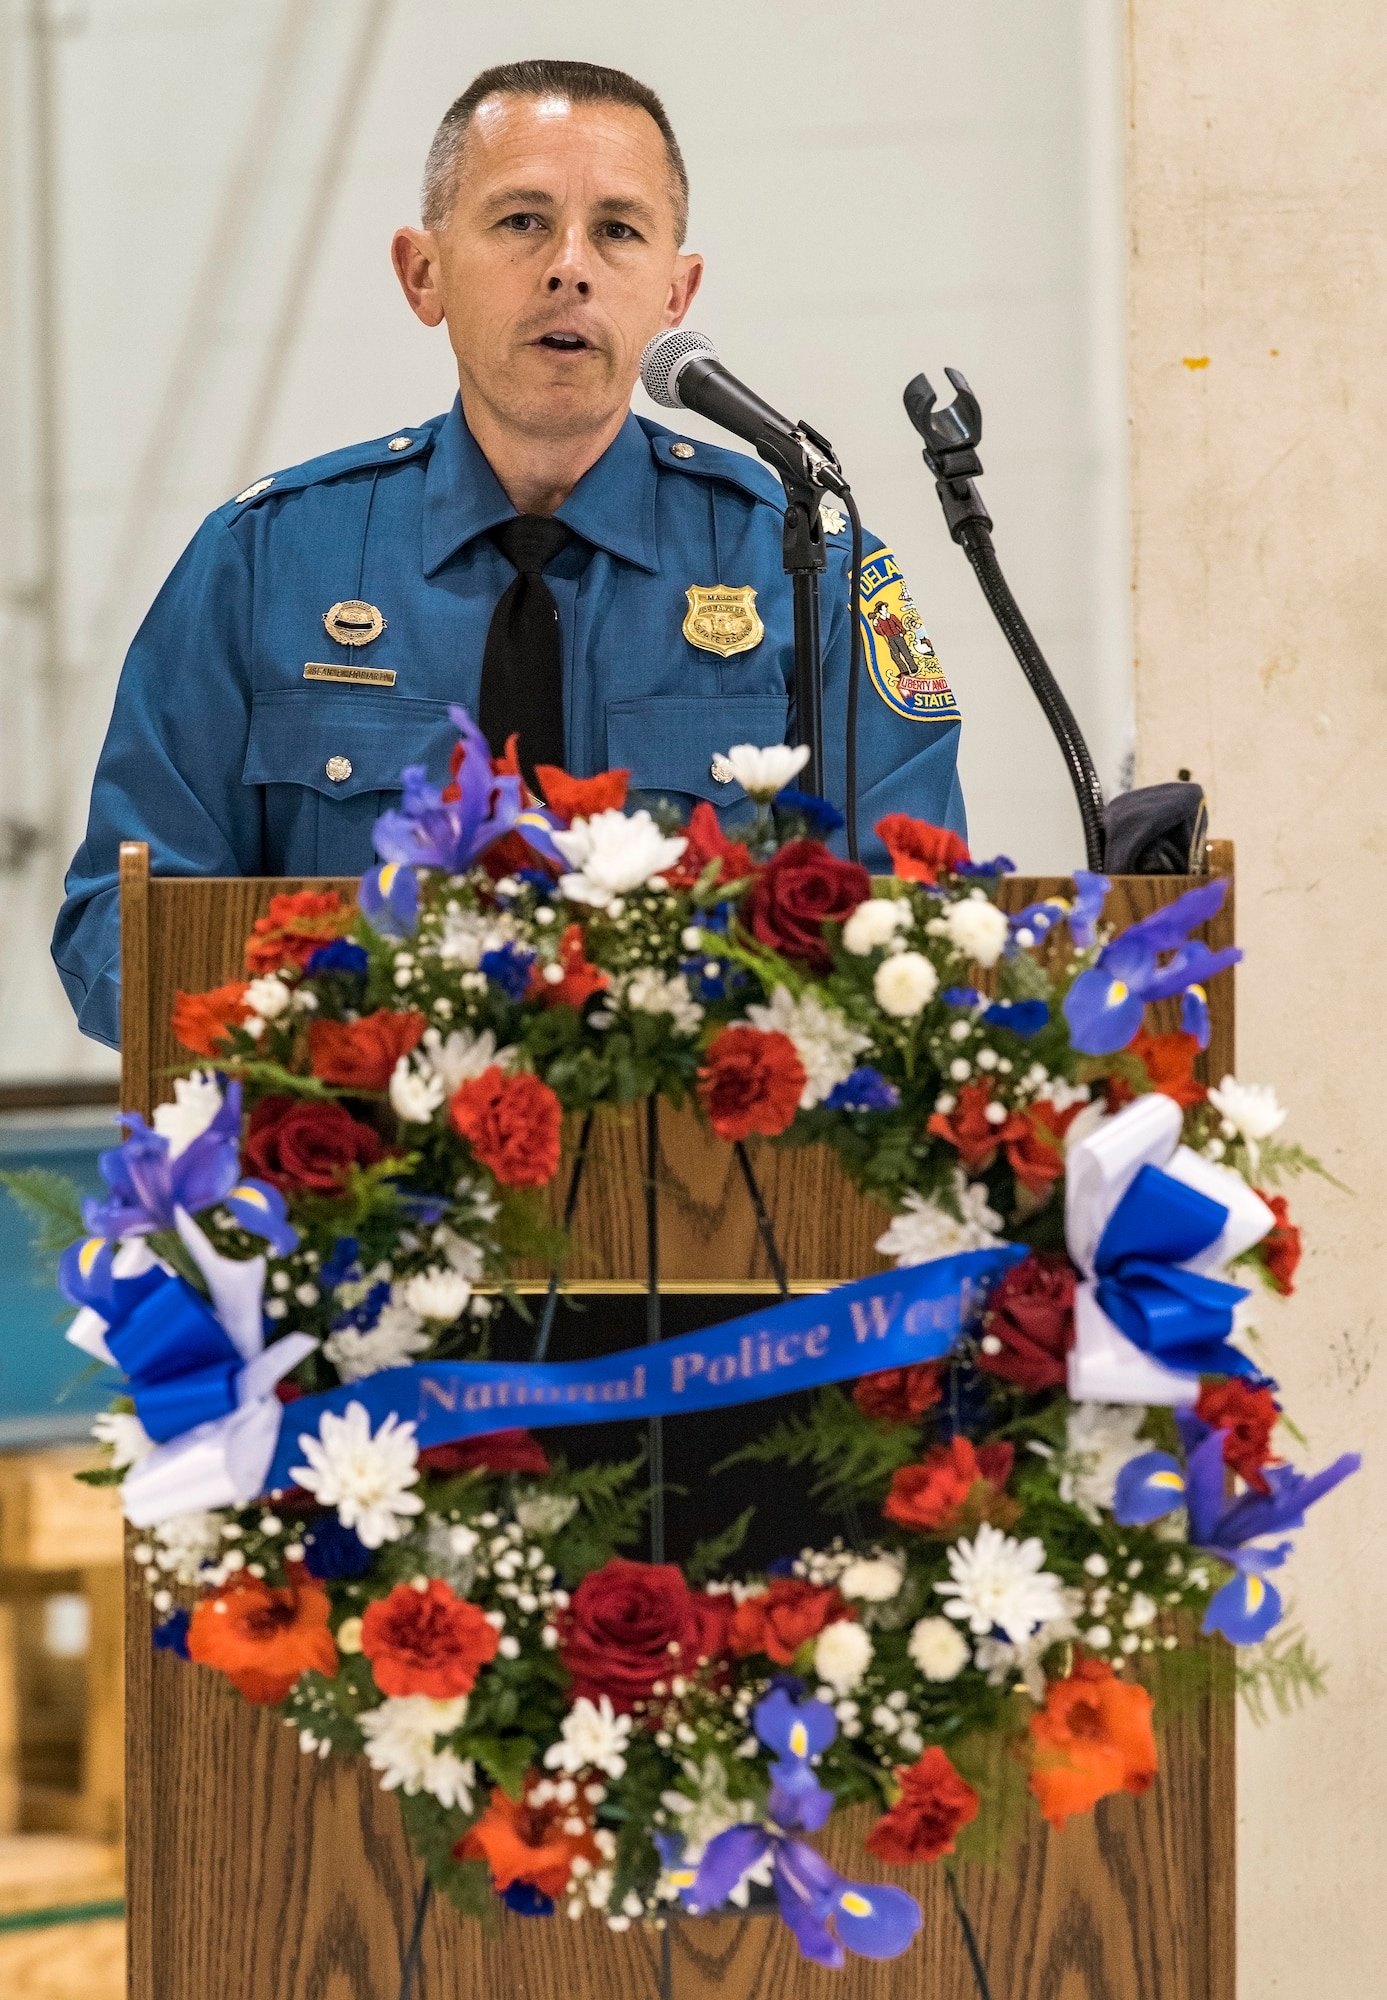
879, 188
1257, 176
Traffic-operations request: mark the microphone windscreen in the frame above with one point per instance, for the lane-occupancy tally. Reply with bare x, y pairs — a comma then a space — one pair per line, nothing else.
663, 358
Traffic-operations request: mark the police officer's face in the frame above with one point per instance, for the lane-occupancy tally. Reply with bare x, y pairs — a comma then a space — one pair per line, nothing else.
559, 262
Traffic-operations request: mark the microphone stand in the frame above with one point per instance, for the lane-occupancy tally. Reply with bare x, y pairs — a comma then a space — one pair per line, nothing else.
951, 438
809, 471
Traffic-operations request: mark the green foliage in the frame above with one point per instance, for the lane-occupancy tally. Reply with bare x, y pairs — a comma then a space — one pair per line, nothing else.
710, 1554
1276, 1160
853, 1456
994, 1764
1282, 1671
273, 1079
54, 1203
610, 1517
433, 1832
506, 1759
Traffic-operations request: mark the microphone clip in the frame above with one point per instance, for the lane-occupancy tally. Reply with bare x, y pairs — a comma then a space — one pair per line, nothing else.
951, 437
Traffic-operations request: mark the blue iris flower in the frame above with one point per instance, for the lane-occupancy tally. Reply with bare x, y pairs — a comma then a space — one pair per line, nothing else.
1246, 1608
509, 968
388, 898
261, 1211
364, 1316
1037, 920
1000, 864
962, 996
819, 817
828, 1914
542, 884
1023, 1017
431, 832
865, 1090
1194, 1014
146, 1183
172, 1635
1106, 1005
425, 1209
339, 956
341, 1263
527, 1901
334, 1554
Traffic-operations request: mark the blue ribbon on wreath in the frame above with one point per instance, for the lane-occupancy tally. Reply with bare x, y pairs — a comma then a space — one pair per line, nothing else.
1179, 1317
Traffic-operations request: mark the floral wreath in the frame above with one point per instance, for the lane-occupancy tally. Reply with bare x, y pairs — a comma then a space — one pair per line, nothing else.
1062, 1503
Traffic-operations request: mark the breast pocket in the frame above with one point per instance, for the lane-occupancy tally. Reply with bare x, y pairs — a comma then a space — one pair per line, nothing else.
329, 763
669, 745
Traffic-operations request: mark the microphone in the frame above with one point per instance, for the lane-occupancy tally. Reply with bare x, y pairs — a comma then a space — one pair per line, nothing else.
681, 371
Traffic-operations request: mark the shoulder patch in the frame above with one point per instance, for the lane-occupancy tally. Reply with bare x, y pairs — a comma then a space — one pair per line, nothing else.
900, 658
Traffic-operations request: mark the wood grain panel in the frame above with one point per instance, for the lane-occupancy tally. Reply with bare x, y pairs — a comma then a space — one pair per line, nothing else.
256, 1873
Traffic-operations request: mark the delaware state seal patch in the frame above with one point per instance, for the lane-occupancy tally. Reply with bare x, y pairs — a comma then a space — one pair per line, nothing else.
900, 658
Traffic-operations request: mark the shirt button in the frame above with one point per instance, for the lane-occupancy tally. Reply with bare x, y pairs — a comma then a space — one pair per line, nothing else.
399, 444
681, 451
339, 769
720, 771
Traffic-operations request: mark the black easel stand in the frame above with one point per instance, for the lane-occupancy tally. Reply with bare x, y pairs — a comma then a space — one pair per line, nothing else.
951, 439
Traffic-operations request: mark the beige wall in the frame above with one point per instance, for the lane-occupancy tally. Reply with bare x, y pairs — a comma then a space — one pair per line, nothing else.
1258, 294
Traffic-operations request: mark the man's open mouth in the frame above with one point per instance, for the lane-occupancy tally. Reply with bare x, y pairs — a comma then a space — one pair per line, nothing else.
562, 343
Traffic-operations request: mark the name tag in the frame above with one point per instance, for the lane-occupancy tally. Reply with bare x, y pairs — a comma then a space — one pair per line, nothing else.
380, 677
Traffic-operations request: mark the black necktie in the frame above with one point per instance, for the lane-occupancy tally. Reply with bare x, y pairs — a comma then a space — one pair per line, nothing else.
522, 668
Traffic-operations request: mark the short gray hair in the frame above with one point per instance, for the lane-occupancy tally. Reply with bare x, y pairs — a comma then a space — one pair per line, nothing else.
580, 83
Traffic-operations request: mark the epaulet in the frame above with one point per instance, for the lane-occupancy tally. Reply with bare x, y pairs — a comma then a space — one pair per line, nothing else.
397, 448
710, 461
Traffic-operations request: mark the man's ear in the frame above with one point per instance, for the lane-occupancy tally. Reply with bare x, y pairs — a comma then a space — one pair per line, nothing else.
414, 253
688, 276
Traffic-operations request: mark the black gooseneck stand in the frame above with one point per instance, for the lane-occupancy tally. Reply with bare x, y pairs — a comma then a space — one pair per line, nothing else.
951, 438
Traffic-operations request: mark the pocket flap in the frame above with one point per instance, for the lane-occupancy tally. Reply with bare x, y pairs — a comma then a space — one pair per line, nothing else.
669, 744
344, 741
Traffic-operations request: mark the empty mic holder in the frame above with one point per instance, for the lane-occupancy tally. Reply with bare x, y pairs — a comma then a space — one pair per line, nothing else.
951, 438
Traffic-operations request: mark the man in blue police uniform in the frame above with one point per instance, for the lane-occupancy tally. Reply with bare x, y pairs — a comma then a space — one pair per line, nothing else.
313, 635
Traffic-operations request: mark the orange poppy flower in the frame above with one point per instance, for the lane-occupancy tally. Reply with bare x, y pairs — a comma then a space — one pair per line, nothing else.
521, 1841
1093, 1737
263, 1638
202, 1021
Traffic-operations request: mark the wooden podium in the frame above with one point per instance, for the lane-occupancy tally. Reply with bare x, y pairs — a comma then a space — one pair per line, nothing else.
256, 1873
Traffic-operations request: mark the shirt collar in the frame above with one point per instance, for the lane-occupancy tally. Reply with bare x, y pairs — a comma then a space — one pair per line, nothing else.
612, 506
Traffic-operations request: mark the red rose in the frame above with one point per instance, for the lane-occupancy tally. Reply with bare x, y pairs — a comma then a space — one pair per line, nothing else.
932, 1498
899, 1395
750, 1082
629, 1625
202, 1021
967, 1127
294, 928
298, 1142
778, 1622
708, 842
362, 1054
580, 798
796, 893
1247, 1417
920, 852
1031, 1316
512, 1124
1280, 1247
1036, 1157
934, 1804
429, 1641
497, 1451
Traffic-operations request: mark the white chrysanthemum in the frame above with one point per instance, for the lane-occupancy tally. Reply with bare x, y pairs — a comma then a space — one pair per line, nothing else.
710, 1813
994, 1580
186, 1542
436, 1294
125, 1434
613, 852
1002, 1662
842, 1655
545, 1513
463, 1256
592, 1737
824, 1041
268, 997
874, 923
938, 1649
1063, 1094
197, 1100
367, 1479
649, 992
1100, 1439
905, 983
873, 1579
461, 1057
977, 928
763, 773
1250, 1110
413, 1097
400, 1744
466, 936
397, 1335
924, 1230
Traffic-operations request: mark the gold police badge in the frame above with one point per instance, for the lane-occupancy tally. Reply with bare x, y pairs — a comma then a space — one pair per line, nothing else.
353, 622
723, 619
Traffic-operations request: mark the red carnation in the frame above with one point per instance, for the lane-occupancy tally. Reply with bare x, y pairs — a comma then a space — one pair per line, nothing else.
202, 1021
968, 1127
297, 1142
935, 1803
630, 1625
780, 1620
580, 798
955, 1483
920, 852
1037, 1156
294, 928
427, 1641
707, 842
796, 893
1030, 1323
899, 1395
497, 1451
362, 1054
1247, 1417
512, 1124
1169, 1063
751, 1082
1280, 1247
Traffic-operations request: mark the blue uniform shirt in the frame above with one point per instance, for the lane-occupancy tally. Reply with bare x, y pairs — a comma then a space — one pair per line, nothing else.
230, 758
